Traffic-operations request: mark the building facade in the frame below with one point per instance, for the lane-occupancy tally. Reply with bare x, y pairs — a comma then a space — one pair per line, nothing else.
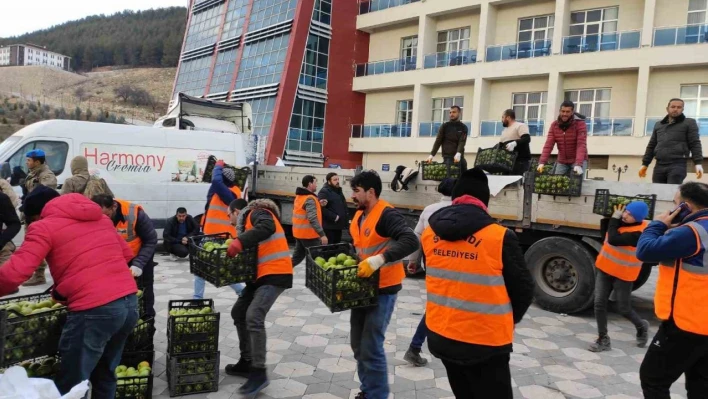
27, 54
292, 60
619, 61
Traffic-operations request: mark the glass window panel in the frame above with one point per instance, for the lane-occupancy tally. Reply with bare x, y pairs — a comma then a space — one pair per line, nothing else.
585, 109
533, 112
703, 111
697, 5
609, 27
466, 33
610, 13
460, 101
442, 37
704, 91
603, 95
602, 110
526, 24
539, 35
534, 98
437, 103
592, 29
577, 17
594, 16
519, 98
587, 95
541, 22
455, 35
448, 103
524, 36
690, 107
689, 92
572, 96
437, 115
520, 111
576, 30
696, 18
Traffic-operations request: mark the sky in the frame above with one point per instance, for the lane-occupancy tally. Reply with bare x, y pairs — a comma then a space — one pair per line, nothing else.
22, 16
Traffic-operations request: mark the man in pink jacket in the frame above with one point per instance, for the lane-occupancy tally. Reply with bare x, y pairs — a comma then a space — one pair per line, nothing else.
570, 132
89, 264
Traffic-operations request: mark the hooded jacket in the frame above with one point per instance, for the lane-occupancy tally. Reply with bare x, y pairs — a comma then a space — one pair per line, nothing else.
674, 141
79, 176
572, 142
336, 206
458, 222
88, 260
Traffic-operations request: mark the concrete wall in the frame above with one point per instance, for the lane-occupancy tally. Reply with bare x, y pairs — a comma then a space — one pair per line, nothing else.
501, 91
623, 85
386, 44
464, 90
665, 84
381, 107
671, 13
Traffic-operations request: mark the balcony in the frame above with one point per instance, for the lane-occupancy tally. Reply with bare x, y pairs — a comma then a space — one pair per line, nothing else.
381, 130
601, 42
367, 6
610, 126
451, 58
495, 128
530, 49
651, 121
430, 129
386, 66
676, 35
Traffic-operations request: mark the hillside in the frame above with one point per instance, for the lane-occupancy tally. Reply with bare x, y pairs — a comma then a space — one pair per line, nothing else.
134, 38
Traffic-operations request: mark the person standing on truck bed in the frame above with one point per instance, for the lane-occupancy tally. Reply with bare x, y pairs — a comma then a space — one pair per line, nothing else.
570, 132
39, 175
307, 219
478, 288
617, 269
515, 137
335, 213
382, 240
672, 141
678, 240
452, 137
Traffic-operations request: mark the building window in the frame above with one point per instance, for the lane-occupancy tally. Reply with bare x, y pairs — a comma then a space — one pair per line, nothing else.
269, 12
323, 11
409, 47
306, 131
262, 62
441, 107
235, 18
404, 111
594, 22
529, 106
204, 27
697, 12
536, 28
593, 103
695, 99
453, 40
193, 76
262, 111
314, 66
223, 71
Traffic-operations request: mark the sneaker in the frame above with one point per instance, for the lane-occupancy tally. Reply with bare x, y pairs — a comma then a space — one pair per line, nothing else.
36, 279
413, 357
257, 381
360, 395
643, 334
601, 345
240, 369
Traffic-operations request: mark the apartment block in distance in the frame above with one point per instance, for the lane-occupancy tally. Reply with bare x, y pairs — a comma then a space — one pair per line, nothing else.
292, 60
619, 61
29, 54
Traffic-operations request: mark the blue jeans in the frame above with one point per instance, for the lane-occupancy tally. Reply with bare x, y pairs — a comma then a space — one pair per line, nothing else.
199, 288
91, 345
420, 333
562, 168
368, 329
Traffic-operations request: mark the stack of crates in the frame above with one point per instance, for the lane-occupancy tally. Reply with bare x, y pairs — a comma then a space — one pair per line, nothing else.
192, 347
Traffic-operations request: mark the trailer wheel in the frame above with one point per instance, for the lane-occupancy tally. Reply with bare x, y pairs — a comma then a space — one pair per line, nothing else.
643, 276
564, 273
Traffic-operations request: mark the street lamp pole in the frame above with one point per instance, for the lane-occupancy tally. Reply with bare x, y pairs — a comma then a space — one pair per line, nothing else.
619, 170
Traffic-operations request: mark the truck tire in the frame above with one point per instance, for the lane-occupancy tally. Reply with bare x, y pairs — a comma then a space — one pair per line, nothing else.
643, 276
564, 273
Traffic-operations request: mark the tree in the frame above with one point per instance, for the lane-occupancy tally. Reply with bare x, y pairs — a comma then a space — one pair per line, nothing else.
89, 114
124, 91
121, 120
77, 113
22, 120
4, 120
80, 93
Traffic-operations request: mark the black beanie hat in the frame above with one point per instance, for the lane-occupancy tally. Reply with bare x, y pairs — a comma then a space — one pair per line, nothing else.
445, 187
473, 182
37, 199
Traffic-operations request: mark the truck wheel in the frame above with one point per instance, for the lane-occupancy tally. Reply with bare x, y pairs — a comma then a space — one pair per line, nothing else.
643, 277
564, 273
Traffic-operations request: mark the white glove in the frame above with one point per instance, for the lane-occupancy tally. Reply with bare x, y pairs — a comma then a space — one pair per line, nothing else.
511, 146
137, 272
699, 171
429, 159
578, 170
457, 157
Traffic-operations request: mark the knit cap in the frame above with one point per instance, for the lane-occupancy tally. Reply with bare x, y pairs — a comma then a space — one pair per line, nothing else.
638, 209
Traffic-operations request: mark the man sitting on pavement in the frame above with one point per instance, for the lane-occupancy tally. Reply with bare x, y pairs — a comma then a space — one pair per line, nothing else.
176, 234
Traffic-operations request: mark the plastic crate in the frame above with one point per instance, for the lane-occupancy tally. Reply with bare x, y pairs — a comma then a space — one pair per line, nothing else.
567, 185
136, 387
41, 367
216, 267
605, 202
495, 160
141, 337
24, 337
438, 171
339, 289
188, 334
190, 374
241, 174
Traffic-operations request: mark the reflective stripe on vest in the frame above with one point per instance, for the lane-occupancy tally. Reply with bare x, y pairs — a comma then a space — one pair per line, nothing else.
273, 252
621, 262
301, 224
216, 218
467, 297
368, 243
126, 228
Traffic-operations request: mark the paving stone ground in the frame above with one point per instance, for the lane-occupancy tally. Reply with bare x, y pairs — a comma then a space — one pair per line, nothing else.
309, 355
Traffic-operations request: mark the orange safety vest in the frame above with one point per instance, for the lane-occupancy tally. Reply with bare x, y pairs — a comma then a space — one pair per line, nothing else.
273, 252
467, 297
126, 228
216, 219
621, 262
687, 304
368, 243
301, 225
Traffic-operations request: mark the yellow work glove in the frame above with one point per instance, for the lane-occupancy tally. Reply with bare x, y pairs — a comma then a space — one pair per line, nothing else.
539, 169
370, 265
643, 171
699, 171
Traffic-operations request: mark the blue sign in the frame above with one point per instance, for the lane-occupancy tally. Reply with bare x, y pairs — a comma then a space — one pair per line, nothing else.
385, 167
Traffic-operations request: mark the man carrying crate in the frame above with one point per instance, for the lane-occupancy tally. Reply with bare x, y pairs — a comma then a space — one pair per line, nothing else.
258, 224
382, 239
307, 219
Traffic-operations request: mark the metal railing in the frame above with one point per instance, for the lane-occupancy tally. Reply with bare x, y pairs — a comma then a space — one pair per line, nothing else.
610, 126
495, 128
450, 58
653, 120
381, 130
386, 66
367, 6
676, 35
430, 129
602, 42
513, 51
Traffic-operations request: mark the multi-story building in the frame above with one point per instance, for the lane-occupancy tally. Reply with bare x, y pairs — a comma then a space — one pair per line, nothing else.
29, 54
292, 60
619, 61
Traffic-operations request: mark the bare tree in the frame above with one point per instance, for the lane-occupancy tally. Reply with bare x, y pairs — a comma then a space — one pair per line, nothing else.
124, 91
80, 93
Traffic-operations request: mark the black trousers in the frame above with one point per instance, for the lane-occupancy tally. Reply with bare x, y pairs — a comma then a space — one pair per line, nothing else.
334, 236
178, 249
449, 161
485, 380
669, 173
301, 249
674, 352
521, 167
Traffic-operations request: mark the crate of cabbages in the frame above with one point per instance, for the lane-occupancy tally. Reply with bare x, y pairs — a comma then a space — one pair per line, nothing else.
241, 174
30, 327
41, 367
192, 326
331, 274
605, 202
495, 160
134, 375
208, 260
546, 183
141, 336
195, 373
437, 171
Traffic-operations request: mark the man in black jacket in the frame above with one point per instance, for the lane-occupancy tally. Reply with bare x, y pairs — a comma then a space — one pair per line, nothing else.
177, 231
452, 137
673, 140
10, 225
334, 209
